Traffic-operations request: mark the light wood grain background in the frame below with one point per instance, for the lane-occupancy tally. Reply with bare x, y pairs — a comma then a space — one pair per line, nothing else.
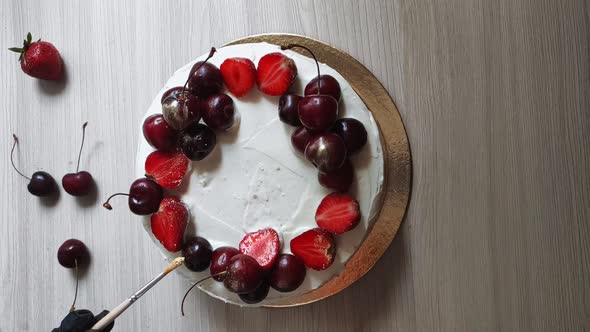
495, 95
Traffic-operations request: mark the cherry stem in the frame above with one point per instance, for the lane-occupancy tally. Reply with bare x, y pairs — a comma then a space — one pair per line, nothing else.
81, 145
317, 65
12, 160
73, 307
194, 285
107, 205
213, 50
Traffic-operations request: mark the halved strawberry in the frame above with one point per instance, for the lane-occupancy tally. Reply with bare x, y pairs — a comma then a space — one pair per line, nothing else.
263, 245
239, 75
169, 223
338, 213
167, 168
275, 73
315, 247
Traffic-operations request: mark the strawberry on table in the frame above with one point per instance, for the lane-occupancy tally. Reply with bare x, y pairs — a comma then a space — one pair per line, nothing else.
169, 223
315, 247
167, 168
338, 213
239, 75
262, 245
39, 59
275, 73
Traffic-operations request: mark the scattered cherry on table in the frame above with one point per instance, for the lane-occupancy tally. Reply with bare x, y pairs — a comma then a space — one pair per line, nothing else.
41, 183
81, 182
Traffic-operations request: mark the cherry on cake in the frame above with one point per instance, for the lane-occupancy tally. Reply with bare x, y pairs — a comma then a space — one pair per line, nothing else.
271, 174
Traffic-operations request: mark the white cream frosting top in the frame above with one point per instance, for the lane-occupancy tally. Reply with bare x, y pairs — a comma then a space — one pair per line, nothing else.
254, 179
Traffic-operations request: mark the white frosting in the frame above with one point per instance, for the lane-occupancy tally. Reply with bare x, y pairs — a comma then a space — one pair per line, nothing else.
254, 179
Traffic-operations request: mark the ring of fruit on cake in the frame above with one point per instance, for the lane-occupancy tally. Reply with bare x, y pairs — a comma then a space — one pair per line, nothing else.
270, 167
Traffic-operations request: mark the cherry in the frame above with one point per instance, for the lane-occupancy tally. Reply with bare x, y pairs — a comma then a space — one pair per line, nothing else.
79, 183
316, 111
220, 260
218, 112
144, 195
340, 179
328, 86
181, 109
300, 138
243, 274
205, 78
352, 132
326, 151
172, 92
257, 295
72, 254
197, 141
288, 106
197, 253
158, 133
288, 273
40, 183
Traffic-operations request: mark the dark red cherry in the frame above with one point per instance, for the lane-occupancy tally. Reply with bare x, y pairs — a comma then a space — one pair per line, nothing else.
218, 112
72, 251
328, 86
197, 253
352, 132
288, 273
220, 260
73, 254
40, 183
159, 134
205, 81
257, 295
172, 92
81, 182
144, 197
338, 180
181, 110
318, 112
300, 138
288, 106
197, 141
243, 274
77, 184
326, 151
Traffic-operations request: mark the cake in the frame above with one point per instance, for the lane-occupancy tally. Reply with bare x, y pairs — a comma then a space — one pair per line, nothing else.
254, 179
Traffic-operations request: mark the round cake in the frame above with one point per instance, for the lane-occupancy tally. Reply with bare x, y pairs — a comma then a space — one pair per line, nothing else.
254, 179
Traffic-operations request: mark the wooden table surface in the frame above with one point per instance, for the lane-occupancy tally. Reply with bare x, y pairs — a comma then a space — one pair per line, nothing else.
495, 96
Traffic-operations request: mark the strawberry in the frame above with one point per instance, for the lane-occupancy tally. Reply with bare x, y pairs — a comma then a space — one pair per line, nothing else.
40, 59
275, 73
315, 247
263, 245
338, 213
166, 168
169, 223
239, 75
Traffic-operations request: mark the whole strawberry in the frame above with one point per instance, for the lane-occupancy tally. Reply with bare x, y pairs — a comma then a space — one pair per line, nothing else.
40, 59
